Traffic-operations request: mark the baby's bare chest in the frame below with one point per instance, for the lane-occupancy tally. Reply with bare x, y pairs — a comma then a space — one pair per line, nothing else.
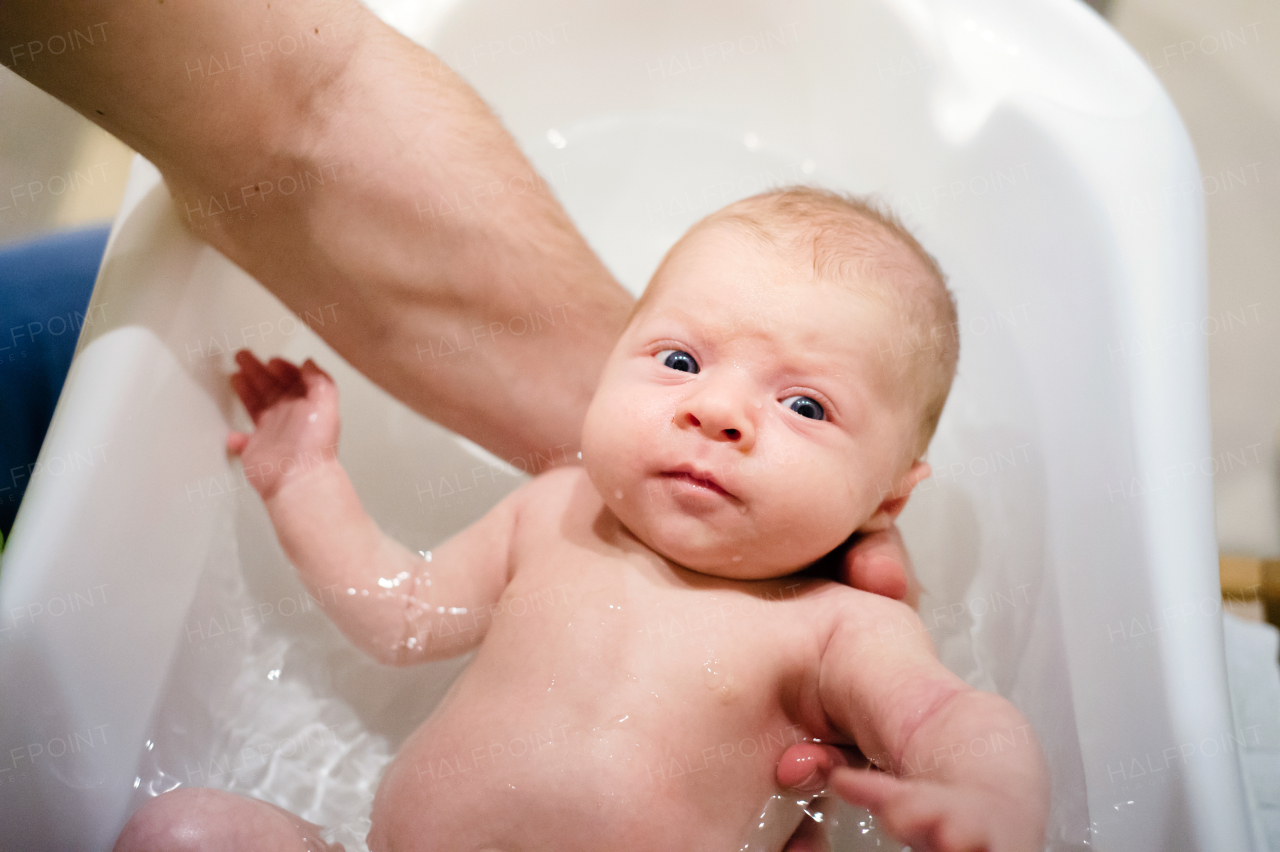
626, 626
654, 691
656, 698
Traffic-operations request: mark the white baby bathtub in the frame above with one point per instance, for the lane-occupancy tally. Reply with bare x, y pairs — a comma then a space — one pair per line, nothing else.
154, 635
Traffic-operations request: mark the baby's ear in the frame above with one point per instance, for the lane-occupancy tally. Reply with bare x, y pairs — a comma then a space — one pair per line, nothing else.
888, 510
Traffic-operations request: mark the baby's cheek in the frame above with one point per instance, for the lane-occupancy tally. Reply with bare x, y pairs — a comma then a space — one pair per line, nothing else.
821, 507
609, 449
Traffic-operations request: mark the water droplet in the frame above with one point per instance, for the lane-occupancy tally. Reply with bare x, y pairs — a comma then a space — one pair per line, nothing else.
274, 674
312, 417
579, 454
426, 554
556, 140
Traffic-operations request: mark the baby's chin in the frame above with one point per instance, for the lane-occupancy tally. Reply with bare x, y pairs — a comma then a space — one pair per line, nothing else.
715, 556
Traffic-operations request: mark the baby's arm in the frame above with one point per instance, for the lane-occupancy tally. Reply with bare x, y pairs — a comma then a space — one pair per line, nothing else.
969, 771
389, 601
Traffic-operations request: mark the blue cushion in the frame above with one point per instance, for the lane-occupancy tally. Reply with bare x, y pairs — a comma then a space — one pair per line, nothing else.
45, 286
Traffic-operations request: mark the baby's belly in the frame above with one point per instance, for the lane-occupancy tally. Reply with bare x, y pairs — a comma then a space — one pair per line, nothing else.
585, 740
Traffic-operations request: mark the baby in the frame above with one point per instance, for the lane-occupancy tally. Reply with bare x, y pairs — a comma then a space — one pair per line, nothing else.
655, 627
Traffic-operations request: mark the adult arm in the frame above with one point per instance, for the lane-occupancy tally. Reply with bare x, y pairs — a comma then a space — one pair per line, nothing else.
392, 131
380, 131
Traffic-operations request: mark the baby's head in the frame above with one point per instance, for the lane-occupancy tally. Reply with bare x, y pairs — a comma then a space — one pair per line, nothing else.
775, 387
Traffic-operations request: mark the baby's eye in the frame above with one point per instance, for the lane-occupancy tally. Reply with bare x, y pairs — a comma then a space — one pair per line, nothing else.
805, 406
677, 359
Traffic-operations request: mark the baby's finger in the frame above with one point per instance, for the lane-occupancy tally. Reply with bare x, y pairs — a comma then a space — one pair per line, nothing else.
314, 368
252, 402
316, 380
285, 373
264, 384
236, 442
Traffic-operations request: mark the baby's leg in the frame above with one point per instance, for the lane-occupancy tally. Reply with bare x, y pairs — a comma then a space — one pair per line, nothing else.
199, 818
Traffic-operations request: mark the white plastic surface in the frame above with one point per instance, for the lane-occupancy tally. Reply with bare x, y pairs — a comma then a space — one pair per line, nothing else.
1066, 539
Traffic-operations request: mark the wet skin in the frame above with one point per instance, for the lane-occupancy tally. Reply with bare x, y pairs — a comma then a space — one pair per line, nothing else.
618, 700
639, 687
649, 649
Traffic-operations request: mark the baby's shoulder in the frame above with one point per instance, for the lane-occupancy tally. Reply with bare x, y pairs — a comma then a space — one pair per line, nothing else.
556, 486
546, 499
562, 476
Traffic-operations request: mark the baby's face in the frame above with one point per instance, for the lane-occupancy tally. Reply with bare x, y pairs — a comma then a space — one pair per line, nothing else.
743, 426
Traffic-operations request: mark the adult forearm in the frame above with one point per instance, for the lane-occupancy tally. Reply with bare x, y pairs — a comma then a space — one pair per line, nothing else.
494, 320
200, 89
324, 170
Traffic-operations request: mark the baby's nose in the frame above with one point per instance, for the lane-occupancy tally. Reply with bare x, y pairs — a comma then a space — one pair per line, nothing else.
726, 433
721, 416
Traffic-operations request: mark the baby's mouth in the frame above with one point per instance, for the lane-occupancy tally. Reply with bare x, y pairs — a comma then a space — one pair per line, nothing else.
705, 481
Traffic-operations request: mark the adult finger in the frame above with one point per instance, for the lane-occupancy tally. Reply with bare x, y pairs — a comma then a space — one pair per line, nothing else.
252, 402
878, 562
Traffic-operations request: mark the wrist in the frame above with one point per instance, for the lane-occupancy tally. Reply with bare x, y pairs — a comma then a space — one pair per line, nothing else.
288, 477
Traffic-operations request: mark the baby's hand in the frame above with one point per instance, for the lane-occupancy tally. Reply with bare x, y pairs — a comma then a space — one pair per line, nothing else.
296, 415
935, 817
